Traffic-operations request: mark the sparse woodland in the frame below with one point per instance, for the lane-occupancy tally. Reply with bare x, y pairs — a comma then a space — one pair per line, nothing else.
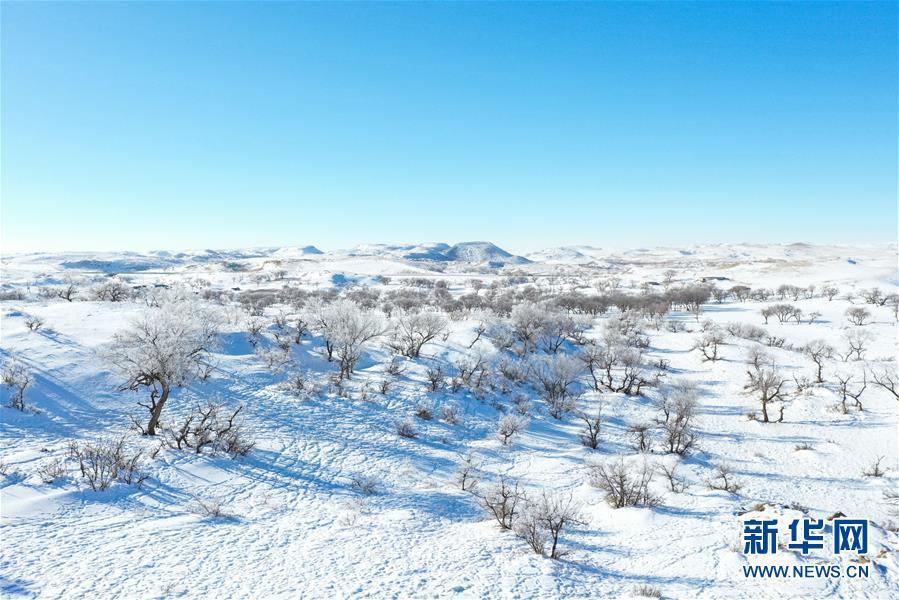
538, 403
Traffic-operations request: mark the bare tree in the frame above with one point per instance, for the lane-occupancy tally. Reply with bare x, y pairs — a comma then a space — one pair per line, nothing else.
819, 351
67, 292
502, 501
543, 521
624, 486
857, 340
347, 330
33, 322
676, 483
412, 330
527, 320
709, 343
843, 382
888, 380
17, 378
554, 377
167, 347
479, 331
467, 476
509, 426
677, 405
589, 436
723, 480
857, 315
830, 292
768, 383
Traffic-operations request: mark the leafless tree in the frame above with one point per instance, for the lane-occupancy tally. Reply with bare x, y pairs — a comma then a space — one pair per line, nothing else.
857, 340
676, 483
623, 485
527, 320
502, 501
843, 382
819, 351
67, 292
830, 292
709, 343
167, 347
479, 331
768, 383
888, 380
509, 426
112, 290
543, 521
412, 330
467, 476
17, 378
857, 315
589, 436
347, 330
435, 378
677, 405
554, 377
723, 480
33, 322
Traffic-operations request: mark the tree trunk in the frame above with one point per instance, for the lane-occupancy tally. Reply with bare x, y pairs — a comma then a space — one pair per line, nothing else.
156, 411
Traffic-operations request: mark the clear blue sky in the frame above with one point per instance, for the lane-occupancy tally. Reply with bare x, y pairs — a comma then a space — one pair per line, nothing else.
201, 125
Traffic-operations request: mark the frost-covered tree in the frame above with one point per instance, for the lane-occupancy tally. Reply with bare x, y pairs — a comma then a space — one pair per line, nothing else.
555, 377
347, 329
768, 383
677, 404
414, 329
527, 321
858, 315
819, 351
166, 347
17, 378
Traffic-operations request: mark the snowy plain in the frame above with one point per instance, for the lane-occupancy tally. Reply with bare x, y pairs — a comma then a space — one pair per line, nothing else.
294, 523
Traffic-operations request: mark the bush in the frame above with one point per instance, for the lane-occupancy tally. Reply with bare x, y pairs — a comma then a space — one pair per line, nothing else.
365, 484
543, 520
17, 378
104, 462
52, 471
589, 436
209, 426
509, 426
33, 322
405, 428
623, 485
424, 410
449, 413
502, 502
723, 480
467, 475
211, 509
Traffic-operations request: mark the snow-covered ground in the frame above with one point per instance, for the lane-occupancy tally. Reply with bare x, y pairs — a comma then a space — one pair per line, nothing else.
296, 525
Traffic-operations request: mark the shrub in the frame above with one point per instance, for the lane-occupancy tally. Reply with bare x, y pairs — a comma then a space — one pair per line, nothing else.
543, 520
623, 485
502, 502
509, 426
17, 378
449, 413
723, 480
405, 428
104, 462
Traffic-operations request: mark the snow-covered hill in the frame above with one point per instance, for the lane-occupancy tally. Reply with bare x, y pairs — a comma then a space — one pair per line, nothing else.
333, 502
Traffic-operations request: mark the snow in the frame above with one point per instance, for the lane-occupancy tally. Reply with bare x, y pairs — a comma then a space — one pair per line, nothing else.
296, 526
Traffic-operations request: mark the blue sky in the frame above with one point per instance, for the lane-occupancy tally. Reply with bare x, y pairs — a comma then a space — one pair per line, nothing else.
201, 125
